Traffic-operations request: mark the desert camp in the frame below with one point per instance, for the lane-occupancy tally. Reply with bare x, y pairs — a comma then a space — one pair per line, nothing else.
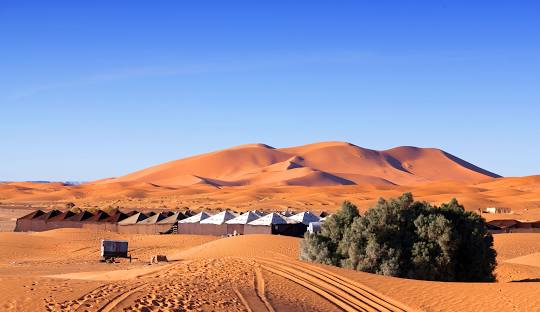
167, 222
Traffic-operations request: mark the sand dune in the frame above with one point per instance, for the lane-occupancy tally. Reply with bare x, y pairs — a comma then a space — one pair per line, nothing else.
327, 163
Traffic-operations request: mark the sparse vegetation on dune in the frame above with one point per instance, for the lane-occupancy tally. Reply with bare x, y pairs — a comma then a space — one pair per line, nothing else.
406, 238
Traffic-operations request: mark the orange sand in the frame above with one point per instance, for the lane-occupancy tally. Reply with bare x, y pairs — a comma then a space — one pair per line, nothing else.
520, 194
58, 271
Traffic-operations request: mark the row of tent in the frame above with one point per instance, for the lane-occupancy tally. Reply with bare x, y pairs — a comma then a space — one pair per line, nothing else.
116, 221
223, 223
513, 226
251, 222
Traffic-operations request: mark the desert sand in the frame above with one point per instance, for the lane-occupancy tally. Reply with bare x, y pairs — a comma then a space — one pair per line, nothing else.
521, 194
316, 177
59, 271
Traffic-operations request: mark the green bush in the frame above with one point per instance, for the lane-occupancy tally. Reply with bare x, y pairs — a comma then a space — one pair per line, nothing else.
403, 238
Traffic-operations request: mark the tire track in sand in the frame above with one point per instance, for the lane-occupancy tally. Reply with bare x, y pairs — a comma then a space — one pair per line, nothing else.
347, 295
102, 296
261, 289
354, 286
118, 299
245, 303
93, 299
121, 297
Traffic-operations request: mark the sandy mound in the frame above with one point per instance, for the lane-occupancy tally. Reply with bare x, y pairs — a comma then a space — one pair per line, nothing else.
531, 259
245, 246
515, 245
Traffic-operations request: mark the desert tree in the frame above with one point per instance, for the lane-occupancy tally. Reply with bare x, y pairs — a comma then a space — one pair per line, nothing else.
406, 238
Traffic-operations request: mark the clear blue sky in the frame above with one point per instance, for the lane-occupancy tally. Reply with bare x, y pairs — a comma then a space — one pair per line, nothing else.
101, 88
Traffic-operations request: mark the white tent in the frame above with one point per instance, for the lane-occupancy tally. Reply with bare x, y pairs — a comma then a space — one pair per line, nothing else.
305, 217
244, 218
196, 218
154, 219
177, 216
139, 216
271, 218
219, 218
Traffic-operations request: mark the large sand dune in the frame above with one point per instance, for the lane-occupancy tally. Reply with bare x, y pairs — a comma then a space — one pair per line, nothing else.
327, 163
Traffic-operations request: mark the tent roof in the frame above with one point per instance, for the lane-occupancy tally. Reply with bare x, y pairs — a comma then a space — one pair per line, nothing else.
244, 218
305, 217
154, 219
136, 218
131, 213
63, 216
505, 223
82, 216
33, 214
177, 216
99, 216
49, 214
287, 213
117, 217
271, 218
219, 218
196, 218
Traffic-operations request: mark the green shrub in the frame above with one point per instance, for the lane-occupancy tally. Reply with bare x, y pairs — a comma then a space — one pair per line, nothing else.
403, 238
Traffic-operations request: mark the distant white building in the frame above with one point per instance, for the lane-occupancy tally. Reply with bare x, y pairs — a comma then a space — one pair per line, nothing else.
497, 210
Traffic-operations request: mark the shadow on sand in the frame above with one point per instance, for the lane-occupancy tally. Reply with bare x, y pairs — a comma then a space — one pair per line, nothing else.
528, 280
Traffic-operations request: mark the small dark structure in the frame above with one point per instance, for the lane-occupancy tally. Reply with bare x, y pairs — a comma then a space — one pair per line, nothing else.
112, 249
513, 226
